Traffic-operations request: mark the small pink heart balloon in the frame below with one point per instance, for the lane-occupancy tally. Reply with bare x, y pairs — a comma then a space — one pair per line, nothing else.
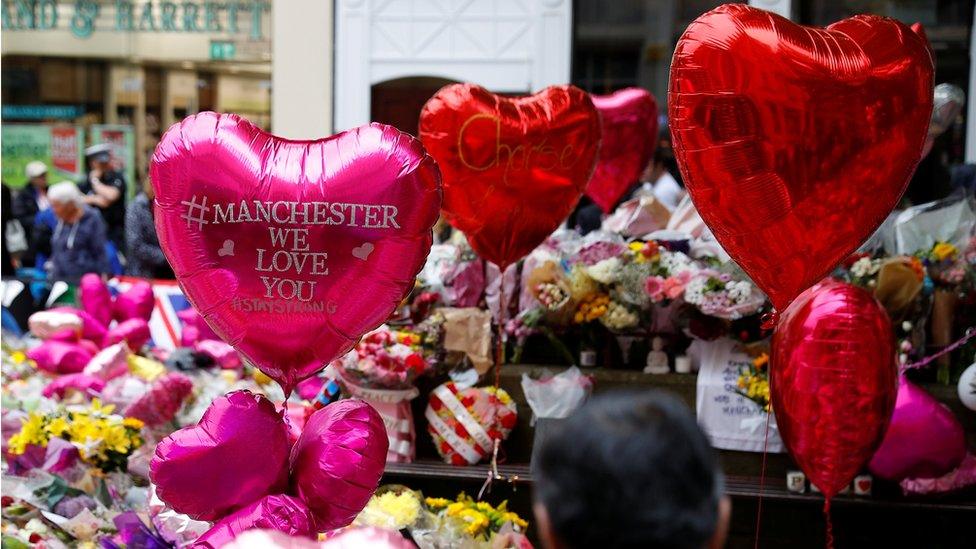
95, 298
235, 455
628, 119
924, 438
291, 250
338, 460
276, 512
136, 302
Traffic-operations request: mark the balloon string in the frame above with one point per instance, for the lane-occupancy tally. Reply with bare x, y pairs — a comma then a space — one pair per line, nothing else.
762, 483
829, 540
970, 332
499, 360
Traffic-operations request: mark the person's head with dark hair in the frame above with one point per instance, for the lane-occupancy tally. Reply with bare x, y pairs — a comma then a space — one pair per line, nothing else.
629, 470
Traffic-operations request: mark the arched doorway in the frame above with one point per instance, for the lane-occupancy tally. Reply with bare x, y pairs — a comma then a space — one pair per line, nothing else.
398, 102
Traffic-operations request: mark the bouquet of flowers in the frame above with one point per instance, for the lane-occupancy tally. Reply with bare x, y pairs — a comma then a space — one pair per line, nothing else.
392, 507
381, 370
720, 295
103, 439
478, 520
862, 270
945, 265
753, 382
385, 359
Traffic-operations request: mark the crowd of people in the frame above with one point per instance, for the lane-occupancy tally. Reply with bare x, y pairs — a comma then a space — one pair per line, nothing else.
66, 229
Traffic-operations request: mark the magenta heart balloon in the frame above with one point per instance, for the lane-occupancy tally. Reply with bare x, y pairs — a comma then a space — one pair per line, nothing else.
235, 455
628, 119
95, 298
924, 438
136, 302
291, 250
338, 460
276, 512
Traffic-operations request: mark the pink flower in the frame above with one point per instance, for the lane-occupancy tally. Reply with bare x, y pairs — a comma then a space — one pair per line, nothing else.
654, 286
674, 286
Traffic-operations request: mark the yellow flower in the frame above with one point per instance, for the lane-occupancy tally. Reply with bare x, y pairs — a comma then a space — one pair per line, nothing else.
437, 503
18, 357
403, 509
31, 432
944, 250
509, 516
145, 368
133, 422
57, 426
761, 361
98, 409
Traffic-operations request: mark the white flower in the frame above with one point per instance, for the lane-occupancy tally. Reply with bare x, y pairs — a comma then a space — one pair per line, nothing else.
619, 317
906, 326
739, 290
606, 271
865, 267
676, 262
695, 290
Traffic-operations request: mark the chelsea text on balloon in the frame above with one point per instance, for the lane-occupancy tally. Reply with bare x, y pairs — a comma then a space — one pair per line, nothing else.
533, 155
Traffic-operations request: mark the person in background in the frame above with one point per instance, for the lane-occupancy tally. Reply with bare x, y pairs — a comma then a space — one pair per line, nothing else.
104, 188
630, 470
30, 201
145, 257
78, 242
6, 261
659, 182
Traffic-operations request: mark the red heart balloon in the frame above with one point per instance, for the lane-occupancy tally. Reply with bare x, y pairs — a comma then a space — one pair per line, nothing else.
795, 143
291, 250
629, 128
513, 168
833, 381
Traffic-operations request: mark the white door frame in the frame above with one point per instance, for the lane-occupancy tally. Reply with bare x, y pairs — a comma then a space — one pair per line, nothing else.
504, 45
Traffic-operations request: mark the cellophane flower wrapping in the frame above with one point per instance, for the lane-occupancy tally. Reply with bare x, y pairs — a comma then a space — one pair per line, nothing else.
381, 370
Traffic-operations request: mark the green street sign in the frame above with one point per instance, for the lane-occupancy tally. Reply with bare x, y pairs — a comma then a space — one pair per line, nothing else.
222, 50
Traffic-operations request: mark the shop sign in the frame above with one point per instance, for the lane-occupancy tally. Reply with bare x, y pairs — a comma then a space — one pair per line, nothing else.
60, 147
85, 17
42, 112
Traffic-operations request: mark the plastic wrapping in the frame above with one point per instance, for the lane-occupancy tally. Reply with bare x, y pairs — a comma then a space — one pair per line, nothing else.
556, 396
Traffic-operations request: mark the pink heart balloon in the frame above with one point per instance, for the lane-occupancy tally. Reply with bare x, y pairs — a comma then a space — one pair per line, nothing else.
136, 302
60, 357
291, 250
163, 399
924, 438
235, 455
628, 119
338, 460
91, 328
95, 298
276, 512
134, 332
